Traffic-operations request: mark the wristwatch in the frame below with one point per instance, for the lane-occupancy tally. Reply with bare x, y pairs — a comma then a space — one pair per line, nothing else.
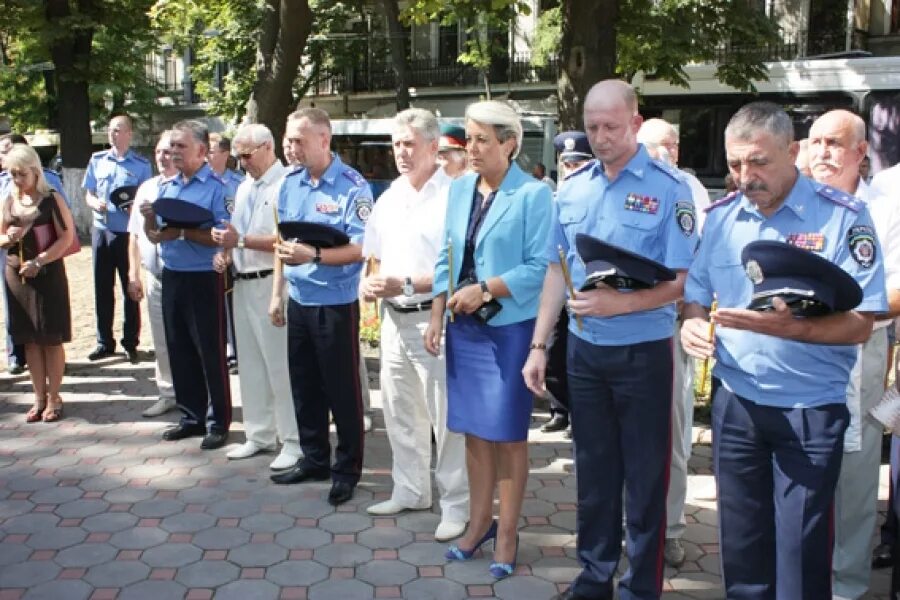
408, 288
486, 295
318, 257
240, 243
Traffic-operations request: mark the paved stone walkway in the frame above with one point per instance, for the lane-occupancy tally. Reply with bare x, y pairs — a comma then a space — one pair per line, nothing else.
96, 506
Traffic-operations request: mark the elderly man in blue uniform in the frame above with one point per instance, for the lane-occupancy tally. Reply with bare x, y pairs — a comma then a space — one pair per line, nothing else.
322, 308
620, 346
837, 145
107, 171
193, 294
780, 412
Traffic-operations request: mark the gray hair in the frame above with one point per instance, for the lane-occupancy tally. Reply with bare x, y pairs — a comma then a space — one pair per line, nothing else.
255, 133
760, 116
502, 117
420, 120
315, 116
198, 130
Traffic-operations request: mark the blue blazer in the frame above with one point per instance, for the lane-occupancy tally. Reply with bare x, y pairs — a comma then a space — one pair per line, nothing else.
511, 243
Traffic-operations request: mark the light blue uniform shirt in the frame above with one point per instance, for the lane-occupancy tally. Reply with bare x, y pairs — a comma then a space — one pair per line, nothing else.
107, 172
341, 199
52, 178
232, 180
770, 370
648, 210
204, 189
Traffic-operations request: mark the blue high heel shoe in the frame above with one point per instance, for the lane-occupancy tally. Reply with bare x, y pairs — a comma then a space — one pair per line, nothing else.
503, 570
454, 552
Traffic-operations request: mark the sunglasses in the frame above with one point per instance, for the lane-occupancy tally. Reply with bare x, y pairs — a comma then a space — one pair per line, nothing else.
249, 155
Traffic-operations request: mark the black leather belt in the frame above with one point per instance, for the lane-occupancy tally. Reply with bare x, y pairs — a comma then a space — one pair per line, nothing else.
410, 308
254, 275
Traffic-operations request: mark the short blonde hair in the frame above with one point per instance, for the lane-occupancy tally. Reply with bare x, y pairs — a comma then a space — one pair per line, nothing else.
503, 118
23, 156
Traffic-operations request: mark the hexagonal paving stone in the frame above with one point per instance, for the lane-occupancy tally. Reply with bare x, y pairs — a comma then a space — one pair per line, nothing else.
129, 495
386, 572
345, 523
534, 507
56, 539
201, 495
147, 590
308, 508
118, 573
343, 589
564, 520
56, 461
11, 554
79, 509
558, 569
267, 523
342, 555
293, 573
423, 554
54, 590
234, 508
524, 587
208, 573
243, 483
30, 484
28, 574
138, 538
420, 521
248, 589
30, 523
172, 555
429, 588
109, 522
470, 572
188, 522
384, 537
557, 494
102, 483
56, 495
86, 555
175, 483
303, 537
258, 555
221, 538
161, 507
13, 508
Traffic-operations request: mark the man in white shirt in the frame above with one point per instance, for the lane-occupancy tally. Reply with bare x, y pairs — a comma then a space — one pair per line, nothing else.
837, 146
248, 242
143, 253
404, 235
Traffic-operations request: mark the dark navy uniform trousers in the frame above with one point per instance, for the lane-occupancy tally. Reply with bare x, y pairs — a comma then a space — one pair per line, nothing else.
620, 400
111, 258
323, 360
776, 470
194, 317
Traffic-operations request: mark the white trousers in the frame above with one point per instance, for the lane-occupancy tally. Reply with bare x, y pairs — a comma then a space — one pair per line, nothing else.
414, 394
153, 293
856, 495
682, 429
268, 406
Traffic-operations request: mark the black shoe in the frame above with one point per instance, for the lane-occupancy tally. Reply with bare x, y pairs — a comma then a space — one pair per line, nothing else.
179, 432
341, 491
15, 369
100, 352
213, 440
557, 423
132, 355
300, 473
882, 557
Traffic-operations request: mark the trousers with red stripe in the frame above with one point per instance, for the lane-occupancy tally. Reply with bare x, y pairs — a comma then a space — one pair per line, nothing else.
620, 400
776, 471
193, 307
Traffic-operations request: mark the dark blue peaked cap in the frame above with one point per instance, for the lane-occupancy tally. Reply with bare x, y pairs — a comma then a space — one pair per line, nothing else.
573, 145
123, 196
617, 267
179, 213
314, 234
808, 283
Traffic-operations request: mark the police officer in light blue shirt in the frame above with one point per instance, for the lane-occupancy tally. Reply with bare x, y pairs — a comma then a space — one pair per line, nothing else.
323, 311
620, 353
107, 171
193, 295
779, 410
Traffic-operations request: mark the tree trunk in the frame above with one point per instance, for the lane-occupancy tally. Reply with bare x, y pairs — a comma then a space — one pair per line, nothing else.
286, 25
71, 54
398, 52
587, 55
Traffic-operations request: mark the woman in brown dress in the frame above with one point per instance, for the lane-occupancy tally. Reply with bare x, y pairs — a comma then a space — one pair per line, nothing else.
35, 276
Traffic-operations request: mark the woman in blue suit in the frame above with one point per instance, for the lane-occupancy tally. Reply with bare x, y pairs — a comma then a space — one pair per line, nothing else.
498, 222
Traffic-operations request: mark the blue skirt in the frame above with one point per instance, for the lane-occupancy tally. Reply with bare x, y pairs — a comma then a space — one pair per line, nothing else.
486, 393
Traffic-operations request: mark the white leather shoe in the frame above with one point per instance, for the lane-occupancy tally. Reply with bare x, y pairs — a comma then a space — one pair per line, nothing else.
246, 450
389, 507
160, 407
285, 460
448, 530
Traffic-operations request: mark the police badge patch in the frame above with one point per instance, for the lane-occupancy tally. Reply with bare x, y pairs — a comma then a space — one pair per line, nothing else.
229, 205
685, 217
363, 209
861, 240
754, 272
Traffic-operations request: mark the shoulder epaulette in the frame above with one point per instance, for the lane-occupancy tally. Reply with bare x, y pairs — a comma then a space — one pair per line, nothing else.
839, 197
294, 171
667, 169
140, 157
727, 199
215, 176
355, 177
